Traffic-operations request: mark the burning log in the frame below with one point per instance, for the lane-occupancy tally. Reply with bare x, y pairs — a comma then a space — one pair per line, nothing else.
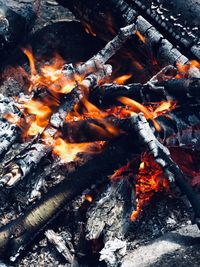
69, 101
120, 13
180, 90
16, 169
162, 156
15, 236
16, 20
90, 130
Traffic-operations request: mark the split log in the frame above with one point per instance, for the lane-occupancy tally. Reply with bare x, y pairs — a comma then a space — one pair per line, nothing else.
119, 13
179, 90
15, 236
16, 20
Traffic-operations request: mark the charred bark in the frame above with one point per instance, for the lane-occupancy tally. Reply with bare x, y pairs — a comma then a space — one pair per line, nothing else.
173, 19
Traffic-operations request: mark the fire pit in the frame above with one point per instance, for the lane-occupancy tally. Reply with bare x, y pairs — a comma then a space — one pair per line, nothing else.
100, 133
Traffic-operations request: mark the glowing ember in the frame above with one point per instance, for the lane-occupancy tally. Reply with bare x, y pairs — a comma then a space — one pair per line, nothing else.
149, 180
89, 198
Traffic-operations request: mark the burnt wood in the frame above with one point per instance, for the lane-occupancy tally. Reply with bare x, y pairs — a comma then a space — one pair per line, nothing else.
120, 13
15, 236
180, 90
16, 20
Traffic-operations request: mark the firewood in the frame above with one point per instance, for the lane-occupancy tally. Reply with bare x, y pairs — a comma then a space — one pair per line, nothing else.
90, 130
9, 131
175, 19
16, 20
180, 90
15, 236
120, 13
162, 156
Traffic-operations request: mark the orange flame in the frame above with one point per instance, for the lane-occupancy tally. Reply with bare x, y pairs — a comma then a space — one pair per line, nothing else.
137, 106
68, 152
149, 180
123, 79
89, 198
50, 76
185, 68
141, 37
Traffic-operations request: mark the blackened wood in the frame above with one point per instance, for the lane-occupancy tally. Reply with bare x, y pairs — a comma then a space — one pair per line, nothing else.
180, 90
162, 156
16, 20
15, 236
118, 12
23, 163
179, 20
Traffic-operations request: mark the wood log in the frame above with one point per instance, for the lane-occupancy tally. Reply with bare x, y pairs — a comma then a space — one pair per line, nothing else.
90, 130
15, 236
174, 20
94, 13
179, 90
16, 20
162, 156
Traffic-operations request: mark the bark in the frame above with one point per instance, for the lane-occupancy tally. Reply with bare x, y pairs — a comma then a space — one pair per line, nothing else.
16, 235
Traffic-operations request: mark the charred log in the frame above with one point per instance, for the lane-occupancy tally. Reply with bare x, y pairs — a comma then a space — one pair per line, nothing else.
173, 19
120, 14
180, 90
16, 20
162, 156
15, 236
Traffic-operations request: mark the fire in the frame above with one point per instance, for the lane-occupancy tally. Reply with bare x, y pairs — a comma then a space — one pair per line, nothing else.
68, 152
161, 108
123, 79
89, 198
39, 115
149, 180
141, 37
49, 76
184, 69
139, 107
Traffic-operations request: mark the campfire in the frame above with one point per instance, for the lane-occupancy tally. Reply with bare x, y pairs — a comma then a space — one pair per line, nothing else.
94, 136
